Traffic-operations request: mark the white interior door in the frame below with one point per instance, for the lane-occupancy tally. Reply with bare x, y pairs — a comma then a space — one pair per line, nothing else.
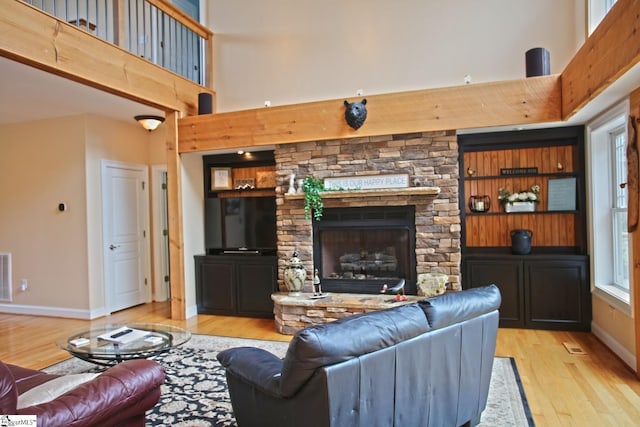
125, 218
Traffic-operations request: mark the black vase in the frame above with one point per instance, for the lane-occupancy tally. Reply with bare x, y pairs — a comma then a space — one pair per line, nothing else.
521, 241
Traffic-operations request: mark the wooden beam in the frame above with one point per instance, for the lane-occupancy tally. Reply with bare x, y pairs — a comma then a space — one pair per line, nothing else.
516, 102
634, 112
33, 37
610, 51
174, 207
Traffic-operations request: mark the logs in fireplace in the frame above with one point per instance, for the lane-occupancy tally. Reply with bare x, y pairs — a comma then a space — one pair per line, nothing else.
362, 249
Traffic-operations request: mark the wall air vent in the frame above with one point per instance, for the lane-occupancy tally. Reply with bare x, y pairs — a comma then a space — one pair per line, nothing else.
5, 277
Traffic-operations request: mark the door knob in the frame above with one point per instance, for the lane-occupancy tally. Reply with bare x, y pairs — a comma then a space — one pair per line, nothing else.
112, 247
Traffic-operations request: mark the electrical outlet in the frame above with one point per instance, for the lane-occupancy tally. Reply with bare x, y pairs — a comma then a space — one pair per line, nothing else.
23, 285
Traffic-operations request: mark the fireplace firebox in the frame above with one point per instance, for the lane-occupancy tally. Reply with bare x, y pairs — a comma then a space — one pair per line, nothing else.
365, 249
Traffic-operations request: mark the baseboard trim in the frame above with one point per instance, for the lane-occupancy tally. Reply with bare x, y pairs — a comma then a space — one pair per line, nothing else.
192, 311
36, 310
625, 355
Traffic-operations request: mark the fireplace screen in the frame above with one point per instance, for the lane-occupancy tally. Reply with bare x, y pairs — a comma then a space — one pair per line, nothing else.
364, 254
362, 249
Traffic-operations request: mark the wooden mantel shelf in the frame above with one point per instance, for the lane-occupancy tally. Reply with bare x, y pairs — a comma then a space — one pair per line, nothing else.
340, 194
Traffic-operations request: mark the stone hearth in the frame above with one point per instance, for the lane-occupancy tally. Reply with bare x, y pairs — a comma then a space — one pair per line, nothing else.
430, 159
293, 313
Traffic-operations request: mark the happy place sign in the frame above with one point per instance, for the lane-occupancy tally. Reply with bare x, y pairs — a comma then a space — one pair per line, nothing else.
369, 182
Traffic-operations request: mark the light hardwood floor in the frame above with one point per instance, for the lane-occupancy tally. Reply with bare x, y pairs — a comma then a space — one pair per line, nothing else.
596, 389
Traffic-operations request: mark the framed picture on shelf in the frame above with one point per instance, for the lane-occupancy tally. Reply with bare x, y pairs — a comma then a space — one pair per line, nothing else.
244, 183
266, 179
562, 194
221, 179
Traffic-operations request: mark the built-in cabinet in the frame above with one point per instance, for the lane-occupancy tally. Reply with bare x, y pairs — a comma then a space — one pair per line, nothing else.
549, 287
238, 271
236, 285
541, 292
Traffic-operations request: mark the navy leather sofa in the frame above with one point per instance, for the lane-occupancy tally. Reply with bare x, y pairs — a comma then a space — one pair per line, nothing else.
422, 364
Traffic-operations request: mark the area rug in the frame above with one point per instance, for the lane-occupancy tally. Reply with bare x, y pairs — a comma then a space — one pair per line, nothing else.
195, 391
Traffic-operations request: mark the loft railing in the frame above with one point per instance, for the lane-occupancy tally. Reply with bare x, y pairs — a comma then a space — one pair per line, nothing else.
152, 29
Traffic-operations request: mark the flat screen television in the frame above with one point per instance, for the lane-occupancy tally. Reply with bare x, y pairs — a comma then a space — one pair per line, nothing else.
240, 225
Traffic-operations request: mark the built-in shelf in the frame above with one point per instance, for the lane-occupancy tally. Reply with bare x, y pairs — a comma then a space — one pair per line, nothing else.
549, 175
340, 194
255, 192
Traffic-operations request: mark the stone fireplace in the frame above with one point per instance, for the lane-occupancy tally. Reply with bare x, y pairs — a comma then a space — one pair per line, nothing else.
430, 159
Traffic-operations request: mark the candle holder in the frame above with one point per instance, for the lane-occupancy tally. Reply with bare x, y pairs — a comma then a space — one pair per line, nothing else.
479, 204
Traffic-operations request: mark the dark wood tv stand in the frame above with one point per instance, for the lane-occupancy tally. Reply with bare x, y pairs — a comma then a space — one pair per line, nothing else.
236, 284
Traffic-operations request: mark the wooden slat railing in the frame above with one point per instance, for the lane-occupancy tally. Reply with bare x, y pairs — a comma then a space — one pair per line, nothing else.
152, 29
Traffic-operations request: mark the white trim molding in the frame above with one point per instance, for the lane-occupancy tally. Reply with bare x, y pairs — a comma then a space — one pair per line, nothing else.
160, 262
625, 355
35, 310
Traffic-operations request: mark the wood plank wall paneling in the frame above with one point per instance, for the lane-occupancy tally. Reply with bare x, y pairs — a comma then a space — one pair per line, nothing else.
251, 172
492, 229
546, 159
556, 229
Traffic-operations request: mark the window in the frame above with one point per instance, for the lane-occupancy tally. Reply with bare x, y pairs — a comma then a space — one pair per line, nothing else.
618, 141
597, 11
192, 7
607, 176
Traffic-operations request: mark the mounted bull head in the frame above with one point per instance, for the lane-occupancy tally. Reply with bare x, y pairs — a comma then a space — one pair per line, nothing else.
356, 113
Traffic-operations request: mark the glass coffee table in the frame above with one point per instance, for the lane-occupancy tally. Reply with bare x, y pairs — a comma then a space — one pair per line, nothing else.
97, 346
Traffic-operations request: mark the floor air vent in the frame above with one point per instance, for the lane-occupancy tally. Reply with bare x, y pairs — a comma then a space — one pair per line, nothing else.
5, 277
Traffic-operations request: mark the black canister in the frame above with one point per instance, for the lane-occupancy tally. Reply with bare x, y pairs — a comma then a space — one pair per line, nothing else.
205, 103
521, 241
537, 62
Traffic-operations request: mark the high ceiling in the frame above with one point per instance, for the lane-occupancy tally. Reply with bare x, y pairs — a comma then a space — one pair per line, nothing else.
27, 94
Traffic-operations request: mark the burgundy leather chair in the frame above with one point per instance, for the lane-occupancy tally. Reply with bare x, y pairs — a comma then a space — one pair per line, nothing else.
119, 396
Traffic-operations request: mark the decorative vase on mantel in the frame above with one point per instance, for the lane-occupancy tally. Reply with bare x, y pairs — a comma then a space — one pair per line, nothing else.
294, 275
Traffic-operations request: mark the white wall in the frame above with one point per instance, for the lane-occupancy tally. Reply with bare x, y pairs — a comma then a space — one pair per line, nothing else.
291, 51
43, 163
